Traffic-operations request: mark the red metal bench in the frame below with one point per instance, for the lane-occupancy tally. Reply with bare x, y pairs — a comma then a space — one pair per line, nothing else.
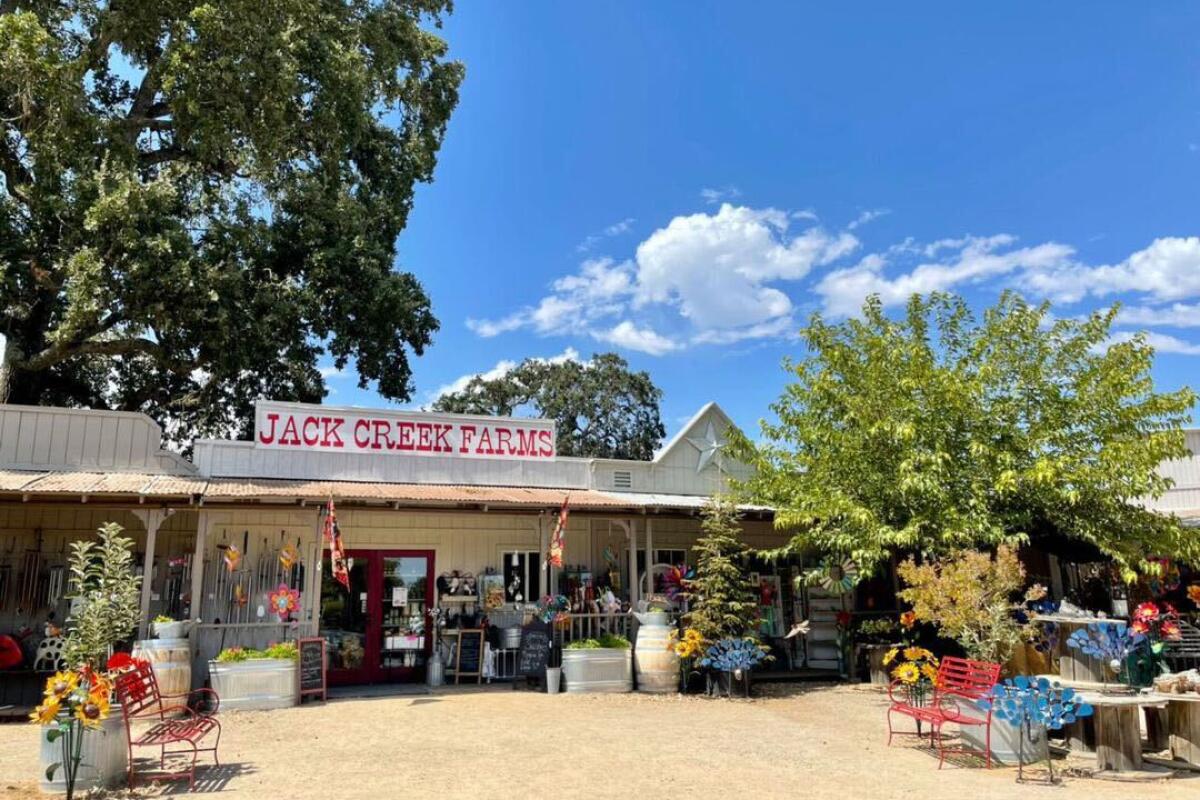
960, 683
137, 692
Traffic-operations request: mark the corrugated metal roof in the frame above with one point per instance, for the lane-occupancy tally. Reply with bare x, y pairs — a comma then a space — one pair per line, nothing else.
15, 480
247, 488
99, 483
420, 494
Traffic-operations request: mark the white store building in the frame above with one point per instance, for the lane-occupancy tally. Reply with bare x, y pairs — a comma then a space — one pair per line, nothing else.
428, 505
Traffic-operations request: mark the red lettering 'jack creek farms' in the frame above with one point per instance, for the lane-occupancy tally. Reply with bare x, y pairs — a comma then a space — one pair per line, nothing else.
291, 427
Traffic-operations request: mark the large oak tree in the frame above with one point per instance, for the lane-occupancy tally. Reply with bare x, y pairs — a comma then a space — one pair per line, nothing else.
200, 199
937, 431
602, 408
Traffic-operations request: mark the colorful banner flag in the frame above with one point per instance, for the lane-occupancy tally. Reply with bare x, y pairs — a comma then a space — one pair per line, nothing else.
554, 557
337, 550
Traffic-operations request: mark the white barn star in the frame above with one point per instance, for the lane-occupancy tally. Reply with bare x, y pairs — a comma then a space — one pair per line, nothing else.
709, 446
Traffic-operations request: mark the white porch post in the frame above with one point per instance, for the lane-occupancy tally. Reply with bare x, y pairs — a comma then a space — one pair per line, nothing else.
650, 555
197, 605
543, 549
635, 588
151, 518
312, 578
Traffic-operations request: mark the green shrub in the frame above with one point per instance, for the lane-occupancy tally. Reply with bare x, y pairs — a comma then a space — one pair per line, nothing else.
606, 641
233, 655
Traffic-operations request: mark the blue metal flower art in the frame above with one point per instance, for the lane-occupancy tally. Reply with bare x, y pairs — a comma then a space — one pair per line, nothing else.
732, 655
1033, 704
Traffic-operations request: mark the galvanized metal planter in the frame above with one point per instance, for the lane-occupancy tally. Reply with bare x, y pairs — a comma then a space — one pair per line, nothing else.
605, 669
104, 757
258, 683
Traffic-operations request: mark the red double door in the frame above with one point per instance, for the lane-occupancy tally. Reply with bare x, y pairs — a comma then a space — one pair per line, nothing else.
378, 630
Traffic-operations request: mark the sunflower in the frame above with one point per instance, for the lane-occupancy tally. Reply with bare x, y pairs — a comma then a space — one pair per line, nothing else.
47, 712
101, 687
930, 672
906, 673
61, 684
890, 656
914, 653
92, 711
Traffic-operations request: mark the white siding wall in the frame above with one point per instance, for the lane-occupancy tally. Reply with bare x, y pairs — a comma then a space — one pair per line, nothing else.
65, 439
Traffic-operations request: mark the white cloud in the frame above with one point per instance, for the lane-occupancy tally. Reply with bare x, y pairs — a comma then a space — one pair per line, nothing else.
1161, 342
599, 289
502, 368
1176, 315
718, 271
644, 340
973, 260
715, 267
1169, 269
331, 371
714, 196
617, 228
867, 216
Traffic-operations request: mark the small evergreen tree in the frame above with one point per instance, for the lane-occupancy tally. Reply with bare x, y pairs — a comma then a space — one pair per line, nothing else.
721, 596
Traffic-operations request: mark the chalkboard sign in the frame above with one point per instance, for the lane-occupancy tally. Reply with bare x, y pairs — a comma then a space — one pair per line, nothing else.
535, 649
469, 659
312, 667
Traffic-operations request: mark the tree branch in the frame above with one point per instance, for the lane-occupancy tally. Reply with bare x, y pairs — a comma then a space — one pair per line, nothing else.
101, 347
16, 175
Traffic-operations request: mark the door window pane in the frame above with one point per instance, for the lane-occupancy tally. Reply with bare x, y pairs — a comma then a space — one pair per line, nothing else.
402, 635
344, 614
522, 576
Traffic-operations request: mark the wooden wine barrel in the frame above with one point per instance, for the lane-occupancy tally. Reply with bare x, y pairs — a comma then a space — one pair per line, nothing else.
656, 664
171, 660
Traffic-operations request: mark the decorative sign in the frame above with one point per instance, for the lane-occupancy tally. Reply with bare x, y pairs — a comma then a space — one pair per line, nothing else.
469, 659
399, 596
312, 667
301, 427
535, 649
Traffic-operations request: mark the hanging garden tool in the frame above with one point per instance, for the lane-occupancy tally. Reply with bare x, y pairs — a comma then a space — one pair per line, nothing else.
31, 568
6, 574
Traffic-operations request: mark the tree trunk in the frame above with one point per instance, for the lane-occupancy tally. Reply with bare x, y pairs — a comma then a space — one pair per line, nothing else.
8, 359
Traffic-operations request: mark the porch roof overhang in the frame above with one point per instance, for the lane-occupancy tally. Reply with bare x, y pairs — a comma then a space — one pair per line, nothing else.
138, 487
133, 486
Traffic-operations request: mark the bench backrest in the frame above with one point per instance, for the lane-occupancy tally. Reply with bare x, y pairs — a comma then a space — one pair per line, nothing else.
137, 690
963, 677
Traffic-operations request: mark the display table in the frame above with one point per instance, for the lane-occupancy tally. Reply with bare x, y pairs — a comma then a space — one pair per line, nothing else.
1074, 666
1117, 722
1183, 725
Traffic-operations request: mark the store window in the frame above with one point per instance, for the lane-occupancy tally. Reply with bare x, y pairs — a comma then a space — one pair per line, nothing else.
522, 576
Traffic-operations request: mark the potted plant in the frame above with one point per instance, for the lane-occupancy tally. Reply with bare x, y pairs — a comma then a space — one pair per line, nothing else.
83, 745
688, 646
164, 627
874, 638
246, 679
604, 664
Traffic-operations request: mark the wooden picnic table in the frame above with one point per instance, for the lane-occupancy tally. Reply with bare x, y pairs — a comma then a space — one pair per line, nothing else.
1183, 725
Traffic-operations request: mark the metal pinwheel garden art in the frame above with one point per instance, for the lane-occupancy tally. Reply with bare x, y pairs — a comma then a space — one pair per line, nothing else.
736, 657
1033, 704
1109, 642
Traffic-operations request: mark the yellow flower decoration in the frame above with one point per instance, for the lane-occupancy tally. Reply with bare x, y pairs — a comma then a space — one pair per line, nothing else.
929, 671
908, 619
890, 656
914, 653
93, 711
907, 673
61, 684
46, 713
101, 687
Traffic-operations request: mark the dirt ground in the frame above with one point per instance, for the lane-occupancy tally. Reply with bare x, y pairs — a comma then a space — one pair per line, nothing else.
802, 740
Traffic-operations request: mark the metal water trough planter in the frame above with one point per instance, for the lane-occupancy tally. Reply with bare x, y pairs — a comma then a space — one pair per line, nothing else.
605, 669
257, 683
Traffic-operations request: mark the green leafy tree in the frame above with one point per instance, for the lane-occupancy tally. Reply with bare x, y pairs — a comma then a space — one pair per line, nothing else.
106, 597
602, 408
199, 199
720, 596
936, 432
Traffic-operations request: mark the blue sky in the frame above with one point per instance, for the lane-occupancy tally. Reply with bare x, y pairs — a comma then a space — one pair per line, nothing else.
685, 182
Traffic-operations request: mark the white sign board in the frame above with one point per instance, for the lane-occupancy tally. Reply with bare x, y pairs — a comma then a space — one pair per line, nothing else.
300, 427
